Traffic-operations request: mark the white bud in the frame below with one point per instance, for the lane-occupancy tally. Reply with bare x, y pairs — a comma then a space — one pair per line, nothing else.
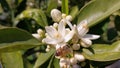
69, 18
85, 42
48, 46
73, 61
64, 63
56, 15
63, 15
55, 25
40, 31
76, 66
76, 46
47, 49
79, 57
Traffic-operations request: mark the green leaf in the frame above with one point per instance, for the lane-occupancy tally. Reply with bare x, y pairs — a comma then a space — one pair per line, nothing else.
35, 14
5, 5
74, 11
51, 62
12, 60
51, 5
65, 6
56, 63
97, 10
14, 39
103, 52
43, 57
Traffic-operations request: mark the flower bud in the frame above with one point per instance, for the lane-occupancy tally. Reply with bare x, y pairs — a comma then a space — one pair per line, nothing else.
55, 25
76, 46
40, 31
69, 18
79, 57
56, 15
63, 15
73, 61
85, 42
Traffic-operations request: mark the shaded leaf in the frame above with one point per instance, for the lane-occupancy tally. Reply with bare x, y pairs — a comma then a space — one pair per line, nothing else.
12, 60
56, 63
97, 10
43, 57
14, 39
4, 5
51, 5
35, 14
103, 52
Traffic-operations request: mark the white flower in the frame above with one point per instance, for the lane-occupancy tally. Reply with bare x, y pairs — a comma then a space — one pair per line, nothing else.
81, 31
57, 36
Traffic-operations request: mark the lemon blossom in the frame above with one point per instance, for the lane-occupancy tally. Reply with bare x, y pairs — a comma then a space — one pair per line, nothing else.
81, 31
59, 35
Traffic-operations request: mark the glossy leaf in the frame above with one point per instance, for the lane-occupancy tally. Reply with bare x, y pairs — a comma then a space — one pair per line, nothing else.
97, 10
103, 52
12, 60
35, 14
14, 39
43, 57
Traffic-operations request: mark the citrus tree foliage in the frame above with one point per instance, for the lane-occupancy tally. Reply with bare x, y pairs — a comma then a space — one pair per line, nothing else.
21, 19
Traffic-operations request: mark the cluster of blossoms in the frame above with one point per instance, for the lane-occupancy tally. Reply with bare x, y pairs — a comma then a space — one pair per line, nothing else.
67, 39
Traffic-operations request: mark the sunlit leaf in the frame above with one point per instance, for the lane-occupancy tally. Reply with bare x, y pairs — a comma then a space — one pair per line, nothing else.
12, 60
103, 52
14, 39
35, 14
43, 57
97, 10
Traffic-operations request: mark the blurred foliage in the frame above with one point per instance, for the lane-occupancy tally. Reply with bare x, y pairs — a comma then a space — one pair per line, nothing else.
20, 18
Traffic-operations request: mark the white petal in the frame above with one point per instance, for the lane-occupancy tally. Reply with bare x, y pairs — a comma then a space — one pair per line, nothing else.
86, 42
69, 36
91, 36
51, 31
82, 28
61, 29
50, 41
69, 24
36, 36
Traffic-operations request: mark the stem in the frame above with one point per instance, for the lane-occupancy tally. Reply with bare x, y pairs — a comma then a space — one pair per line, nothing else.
65, 6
